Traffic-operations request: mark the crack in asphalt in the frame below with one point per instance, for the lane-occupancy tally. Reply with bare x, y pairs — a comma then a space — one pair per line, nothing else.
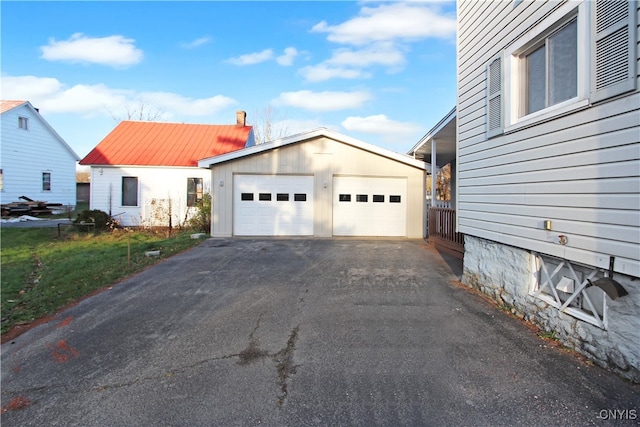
283, 359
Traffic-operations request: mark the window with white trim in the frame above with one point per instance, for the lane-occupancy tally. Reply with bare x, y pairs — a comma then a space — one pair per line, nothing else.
129, 191
23, 123
547, 71
46, 181
194, 191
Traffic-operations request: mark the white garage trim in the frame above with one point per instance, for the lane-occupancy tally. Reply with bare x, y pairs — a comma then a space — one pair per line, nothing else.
273, 205
369, 206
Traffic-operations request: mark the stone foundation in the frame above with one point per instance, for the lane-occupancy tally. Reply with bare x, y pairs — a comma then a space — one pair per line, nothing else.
504, 273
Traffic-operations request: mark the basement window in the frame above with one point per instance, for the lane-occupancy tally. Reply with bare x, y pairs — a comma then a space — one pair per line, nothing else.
565, 286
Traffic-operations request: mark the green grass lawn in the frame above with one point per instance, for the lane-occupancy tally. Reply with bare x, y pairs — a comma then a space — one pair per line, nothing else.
41, 272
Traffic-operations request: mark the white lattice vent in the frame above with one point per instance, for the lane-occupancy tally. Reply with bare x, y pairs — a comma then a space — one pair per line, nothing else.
562, 285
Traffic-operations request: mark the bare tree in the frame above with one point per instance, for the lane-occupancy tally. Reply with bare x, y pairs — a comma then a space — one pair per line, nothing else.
140, 110
268, 124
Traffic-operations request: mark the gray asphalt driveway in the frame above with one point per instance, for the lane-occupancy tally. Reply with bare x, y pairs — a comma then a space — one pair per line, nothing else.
299, 332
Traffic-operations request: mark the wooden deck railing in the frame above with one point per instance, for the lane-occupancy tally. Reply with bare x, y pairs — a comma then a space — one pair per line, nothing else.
442, 231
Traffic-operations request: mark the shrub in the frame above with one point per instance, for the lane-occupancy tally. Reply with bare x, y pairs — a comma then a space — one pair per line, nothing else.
201, 220
101, 219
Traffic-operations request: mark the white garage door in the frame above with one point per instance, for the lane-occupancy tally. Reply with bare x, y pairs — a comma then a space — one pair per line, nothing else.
268, 205
369, 206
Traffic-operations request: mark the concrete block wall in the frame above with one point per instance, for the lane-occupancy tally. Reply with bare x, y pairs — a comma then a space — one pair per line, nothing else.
504, 273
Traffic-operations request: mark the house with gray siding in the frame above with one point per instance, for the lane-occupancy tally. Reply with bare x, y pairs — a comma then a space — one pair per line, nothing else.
548, 167
36, 162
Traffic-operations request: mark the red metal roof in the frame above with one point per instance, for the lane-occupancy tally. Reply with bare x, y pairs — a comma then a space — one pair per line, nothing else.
9, 105
165, 144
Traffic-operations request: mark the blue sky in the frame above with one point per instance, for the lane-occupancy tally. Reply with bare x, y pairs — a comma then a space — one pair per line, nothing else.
382, 72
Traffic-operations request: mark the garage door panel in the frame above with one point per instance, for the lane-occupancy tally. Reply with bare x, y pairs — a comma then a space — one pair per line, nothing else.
269, 214
367, 206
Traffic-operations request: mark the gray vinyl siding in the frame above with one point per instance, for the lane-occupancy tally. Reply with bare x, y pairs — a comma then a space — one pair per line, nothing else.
26, 154
581, 170
324, 158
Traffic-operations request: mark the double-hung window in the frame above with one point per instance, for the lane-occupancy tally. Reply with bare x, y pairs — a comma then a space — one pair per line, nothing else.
581, 53
129, 191
194, 191
551, 70
46, 181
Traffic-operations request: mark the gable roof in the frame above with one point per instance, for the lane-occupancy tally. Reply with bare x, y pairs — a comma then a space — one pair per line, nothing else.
166, 144
320, 132
9, 105
6, 106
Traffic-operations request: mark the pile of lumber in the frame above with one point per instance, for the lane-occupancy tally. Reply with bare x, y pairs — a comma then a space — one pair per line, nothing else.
29, 207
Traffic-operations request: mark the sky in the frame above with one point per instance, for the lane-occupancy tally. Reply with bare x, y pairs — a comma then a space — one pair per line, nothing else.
381, 72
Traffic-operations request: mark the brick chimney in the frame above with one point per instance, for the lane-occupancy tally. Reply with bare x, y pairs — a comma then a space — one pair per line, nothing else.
241, 118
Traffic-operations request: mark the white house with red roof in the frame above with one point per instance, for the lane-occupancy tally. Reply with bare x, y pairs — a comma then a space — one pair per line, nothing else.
36, 162
146, 173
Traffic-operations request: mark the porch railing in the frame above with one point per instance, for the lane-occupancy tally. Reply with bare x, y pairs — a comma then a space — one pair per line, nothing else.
442, 231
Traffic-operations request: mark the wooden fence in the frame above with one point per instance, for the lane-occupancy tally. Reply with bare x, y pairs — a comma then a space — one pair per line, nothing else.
442, 232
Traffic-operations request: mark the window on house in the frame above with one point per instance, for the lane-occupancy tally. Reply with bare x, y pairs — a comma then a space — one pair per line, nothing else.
23, 123
551, 69
246, 197
1, 180
345, 197
282, 197
129, 191
362, 198
194, 191
394, 199
378, 198
300, 197
578, 55
46, 181
265, 197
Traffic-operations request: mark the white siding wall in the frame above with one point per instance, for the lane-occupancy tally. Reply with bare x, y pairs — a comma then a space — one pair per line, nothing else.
26, 154
581, 170
159, 183
324, 158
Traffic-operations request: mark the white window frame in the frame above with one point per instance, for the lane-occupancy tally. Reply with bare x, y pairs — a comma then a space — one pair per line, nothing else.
48, 174
23, 123
514, 67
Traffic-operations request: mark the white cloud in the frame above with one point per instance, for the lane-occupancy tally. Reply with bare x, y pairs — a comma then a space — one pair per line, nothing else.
52, 96
252, 58
196, 43
380, 124
322, 72
287, 58
178, 105
383, 53
405, 21
115, 51
323, 101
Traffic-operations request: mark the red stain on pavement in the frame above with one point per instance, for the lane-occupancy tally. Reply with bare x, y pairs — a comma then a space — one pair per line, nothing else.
16, 403
62, 352
64, 322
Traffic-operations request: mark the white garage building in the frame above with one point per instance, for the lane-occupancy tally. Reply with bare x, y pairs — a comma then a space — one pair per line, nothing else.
320, 183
